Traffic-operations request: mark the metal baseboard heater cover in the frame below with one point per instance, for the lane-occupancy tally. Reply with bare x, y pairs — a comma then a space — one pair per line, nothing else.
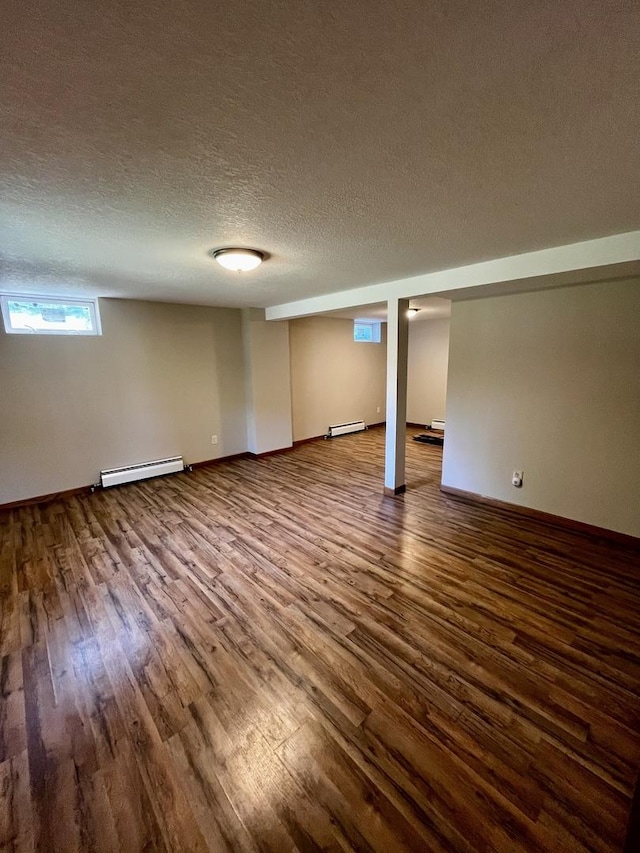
344, 429
436, 423
131, 473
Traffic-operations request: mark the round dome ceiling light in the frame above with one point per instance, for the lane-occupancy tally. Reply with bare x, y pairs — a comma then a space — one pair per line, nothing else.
238, 260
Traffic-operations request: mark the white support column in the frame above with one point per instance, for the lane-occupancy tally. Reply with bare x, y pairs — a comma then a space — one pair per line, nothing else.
396, 436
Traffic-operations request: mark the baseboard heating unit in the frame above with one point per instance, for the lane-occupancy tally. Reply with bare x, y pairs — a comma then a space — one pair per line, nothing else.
344, 429
131, 473
436, 423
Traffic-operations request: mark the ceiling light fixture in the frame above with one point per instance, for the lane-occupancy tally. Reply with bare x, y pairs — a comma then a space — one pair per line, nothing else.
238, 260
412, 312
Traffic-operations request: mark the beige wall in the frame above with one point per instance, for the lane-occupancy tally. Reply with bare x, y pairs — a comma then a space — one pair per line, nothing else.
334, 379
549, 382
427, 369
267, 382
161, 380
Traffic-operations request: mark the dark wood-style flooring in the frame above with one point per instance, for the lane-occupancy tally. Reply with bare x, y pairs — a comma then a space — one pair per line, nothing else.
270, 655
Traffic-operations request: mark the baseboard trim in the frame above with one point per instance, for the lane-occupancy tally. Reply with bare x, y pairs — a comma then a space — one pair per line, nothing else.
300, 441
268, 453
218, 459
80, 490
45, 499
559, 521
413, 425
392, 493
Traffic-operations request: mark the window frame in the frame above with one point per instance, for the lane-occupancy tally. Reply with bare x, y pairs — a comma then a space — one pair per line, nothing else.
85, 302
376, 331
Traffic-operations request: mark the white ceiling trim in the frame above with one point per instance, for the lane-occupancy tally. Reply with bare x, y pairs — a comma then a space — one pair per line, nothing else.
560, 266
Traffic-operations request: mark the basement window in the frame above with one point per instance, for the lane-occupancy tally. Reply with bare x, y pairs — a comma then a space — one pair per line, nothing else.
366, 332
47, 315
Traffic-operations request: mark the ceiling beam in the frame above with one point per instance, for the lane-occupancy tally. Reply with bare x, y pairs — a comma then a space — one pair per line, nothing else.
576, 263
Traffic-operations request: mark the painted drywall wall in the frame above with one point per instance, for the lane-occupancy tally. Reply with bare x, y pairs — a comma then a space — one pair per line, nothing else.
333, 378
161, 380
549, 382
267, 382
427, 369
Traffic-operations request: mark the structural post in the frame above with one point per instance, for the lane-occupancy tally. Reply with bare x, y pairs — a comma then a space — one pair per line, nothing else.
396, 435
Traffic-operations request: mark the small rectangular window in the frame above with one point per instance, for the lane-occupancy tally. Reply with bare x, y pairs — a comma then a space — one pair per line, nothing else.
47, 315
366, 332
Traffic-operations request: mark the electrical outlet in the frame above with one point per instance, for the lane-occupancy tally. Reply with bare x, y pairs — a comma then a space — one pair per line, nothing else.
378, 410
214, 439
517, 478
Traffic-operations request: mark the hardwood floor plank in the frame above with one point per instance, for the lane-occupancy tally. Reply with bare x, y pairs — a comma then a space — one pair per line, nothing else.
363, 817
134, 817
218, 820
13, 734
208, 744
15, 805
270, 655
168, 800
564, 785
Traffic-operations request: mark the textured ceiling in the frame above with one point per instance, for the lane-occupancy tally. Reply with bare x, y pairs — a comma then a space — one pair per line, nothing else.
355, 142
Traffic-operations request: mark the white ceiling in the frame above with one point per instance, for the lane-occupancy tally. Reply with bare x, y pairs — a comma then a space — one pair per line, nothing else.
355, 142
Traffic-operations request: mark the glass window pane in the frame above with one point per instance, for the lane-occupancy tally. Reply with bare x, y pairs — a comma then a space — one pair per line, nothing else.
362, 332
367, 332
33, 315
49, 316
